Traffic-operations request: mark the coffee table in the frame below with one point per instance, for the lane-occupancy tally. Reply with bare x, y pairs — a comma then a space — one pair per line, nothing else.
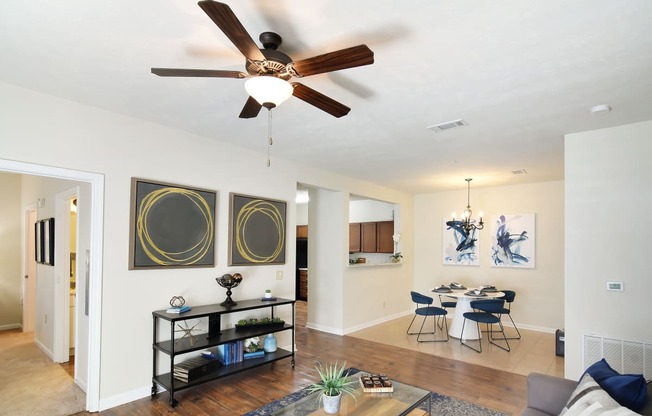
402, 402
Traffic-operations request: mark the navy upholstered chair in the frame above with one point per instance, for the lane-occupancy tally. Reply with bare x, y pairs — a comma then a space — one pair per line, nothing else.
509, 297
425, 309
486, 312
445, 304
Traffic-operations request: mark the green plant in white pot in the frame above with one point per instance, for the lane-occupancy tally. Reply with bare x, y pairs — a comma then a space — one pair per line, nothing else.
332, 385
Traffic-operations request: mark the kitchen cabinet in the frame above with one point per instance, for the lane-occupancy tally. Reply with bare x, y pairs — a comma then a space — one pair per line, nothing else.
302, 284
371, 237
355, 243
385, 236
302, 231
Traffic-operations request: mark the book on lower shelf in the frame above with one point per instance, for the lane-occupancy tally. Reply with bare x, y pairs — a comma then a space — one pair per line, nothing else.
231, 352
254, 354
376, 383
193, 368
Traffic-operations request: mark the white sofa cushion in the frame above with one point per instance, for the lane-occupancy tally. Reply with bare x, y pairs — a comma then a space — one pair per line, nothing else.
588, 399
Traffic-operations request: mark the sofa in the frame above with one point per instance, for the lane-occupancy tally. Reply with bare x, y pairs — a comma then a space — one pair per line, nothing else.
547, 395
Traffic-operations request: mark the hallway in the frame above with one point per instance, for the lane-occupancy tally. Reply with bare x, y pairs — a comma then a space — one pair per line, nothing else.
30, 383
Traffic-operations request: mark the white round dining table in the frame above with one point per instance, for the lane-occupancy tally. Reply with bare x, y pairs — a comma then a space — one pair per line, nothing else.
463, 306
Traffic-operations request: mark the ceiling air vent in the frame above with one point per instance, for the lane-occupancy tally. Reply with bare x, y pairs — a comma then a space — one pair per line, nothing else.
438, 128
519, 172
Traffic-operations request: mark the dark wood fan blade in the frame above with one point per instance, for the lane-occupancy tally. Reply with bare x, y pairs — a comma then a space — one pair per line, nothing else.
251, 108
319, 100
228, 22
175, 72
334, 61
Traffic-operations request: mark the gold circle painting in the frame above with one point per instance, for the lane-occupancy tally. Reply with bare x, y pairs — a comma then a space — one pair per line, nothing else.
175, 226
258, 231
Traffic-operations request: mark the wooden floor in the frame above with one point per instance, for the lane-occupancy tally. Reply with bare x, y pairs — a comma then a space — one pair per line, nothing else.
250, 390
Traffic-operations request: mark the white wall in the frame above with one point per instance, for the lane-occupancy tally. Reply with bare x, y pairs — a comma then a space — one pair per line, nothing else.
540, 291
608, 205
11, 281
120, 148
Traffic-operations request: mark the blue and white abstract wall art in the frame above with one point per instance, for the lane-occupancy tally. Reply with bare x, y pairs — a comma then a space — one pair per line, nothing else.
513, 237
460, 249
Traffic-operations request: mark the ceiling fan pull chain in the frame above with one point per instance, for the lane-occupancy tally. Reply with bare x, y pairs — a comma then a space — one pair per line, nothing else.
269, 135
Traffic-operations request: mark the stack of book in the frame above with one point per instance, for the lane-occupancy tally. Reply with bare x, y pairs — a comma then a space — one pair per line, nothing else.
231, 353
180, 309
193, 368
234, 352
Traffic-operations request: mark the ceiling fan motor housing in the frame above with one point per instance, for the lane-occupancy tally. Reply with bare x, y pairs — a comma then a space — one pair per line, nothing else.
276, 62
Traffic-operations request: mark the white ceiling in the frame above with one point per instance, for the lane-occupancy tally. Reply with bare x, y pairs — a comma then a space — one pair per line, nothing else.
521, 73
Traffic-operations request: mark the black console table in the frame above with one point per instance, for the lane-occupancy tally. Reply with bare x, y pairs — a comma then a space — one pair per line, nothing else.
216, 336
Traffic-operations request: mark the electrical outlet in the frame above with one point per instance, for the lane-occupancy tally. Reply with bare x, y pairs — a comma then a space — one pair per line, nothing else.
279, 275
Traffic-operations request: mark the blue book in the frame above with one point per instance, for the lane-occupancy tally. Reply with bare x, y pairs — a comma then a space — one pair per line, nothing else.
180, 309
254, 354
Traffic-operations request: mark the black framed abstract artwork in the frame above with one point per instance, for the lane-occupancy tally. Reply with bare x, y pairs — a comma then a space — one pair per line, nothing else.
44, 241
256, 230
171, 226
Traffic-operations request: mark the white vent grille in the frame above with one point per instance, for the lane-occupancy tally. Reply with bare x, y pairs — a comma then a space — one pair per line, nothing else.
626, 357
438, 128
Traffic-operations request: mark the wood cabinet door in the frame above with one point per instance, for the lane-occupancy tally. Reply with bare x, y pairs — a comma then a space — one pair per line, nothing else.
385, 230
302, 231
369, 237
354, 238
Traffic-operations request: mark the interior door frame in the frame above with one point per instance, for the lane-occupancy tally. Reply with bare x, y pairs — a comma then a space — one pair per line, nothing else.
61, 328
96, 213
30, 214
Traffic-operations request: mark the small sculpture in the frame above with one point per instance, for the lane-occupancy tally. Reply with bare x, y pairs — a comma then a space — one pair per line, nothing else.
177, 301
228, 282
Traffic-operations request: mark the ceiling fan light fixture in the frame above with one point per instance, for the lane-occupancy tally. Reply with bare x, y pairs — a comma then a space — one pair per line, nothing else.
268, 90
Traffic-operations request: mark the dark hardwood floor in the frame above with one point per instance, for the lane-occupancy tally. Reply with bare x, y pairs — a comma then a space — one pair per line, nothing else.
247, 391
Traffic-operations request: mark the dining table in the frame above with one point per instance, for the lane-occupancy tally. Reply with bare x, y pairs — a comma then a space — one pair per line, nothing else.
464, 297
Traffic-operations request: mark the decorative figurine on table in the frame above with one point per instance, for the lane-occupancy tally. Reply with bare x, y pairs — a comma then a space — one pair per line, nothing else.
229, 281
177, 301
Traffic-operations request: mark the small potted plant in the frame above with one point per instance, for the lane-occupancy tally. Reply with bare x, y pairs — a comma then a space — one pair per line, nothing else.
396, 257
333, 383
268, 293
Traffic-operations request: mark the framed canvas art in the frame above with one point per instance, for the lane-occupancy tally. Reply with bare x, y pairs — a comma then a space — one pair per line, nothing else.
513, 240
256, 230
171, 226
460, 248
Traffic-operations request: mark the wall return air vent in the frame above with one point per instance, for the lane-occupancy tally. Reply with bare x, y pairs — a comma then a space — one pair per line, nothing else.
438, 128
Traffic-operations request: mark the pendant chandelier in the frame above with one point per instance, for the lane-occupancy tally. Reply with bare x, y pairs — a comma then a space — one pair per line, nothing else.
467, 223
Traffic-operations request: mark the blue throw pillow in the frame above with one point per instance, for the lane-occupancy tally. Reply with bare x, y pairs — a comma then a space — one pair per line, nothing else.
630, 390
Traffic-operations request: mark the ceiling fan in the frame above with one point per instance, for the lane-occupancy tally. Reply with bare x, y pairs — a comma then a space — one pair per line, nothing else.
270, 66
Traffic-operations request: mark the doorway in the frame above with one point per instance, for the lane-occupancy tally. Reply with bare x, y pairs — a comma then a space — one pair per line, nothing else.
94, 196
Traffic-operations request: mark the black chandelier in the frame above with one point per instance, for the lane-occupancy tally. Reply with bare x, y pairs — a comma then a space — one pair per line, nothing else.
467, 223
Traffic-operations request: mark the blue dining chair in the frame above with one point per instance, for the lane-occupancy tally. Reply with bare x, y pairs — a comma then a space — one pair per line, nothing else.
445, 304
509, 297
486, 312
424, 308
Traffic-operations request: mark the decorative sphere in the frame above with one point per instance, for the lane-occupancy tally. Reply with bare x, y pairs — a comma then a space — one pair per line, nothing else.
237, 277
177, 301
228, 281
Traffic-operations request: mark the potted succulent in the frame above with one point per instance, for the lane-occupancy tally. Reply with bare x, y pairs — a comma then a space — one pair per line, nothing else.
396, 257
268, 293
332, 385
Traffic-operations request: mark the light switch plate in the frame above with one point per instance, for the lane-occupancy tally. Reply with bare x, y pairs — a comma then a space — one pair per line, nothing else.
618, 286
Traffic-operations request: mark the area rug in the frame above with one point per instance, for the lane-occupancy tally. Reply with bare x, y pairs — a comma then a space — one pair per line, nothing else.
440, 405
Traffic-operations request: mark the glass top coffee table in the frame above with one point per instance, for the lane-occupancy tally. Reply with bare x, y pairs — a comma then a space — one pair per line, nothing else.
401, 402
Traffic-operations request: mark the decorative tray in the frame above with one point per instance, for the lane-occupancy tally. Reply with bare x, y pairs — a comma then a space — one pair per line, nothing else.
376, 383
